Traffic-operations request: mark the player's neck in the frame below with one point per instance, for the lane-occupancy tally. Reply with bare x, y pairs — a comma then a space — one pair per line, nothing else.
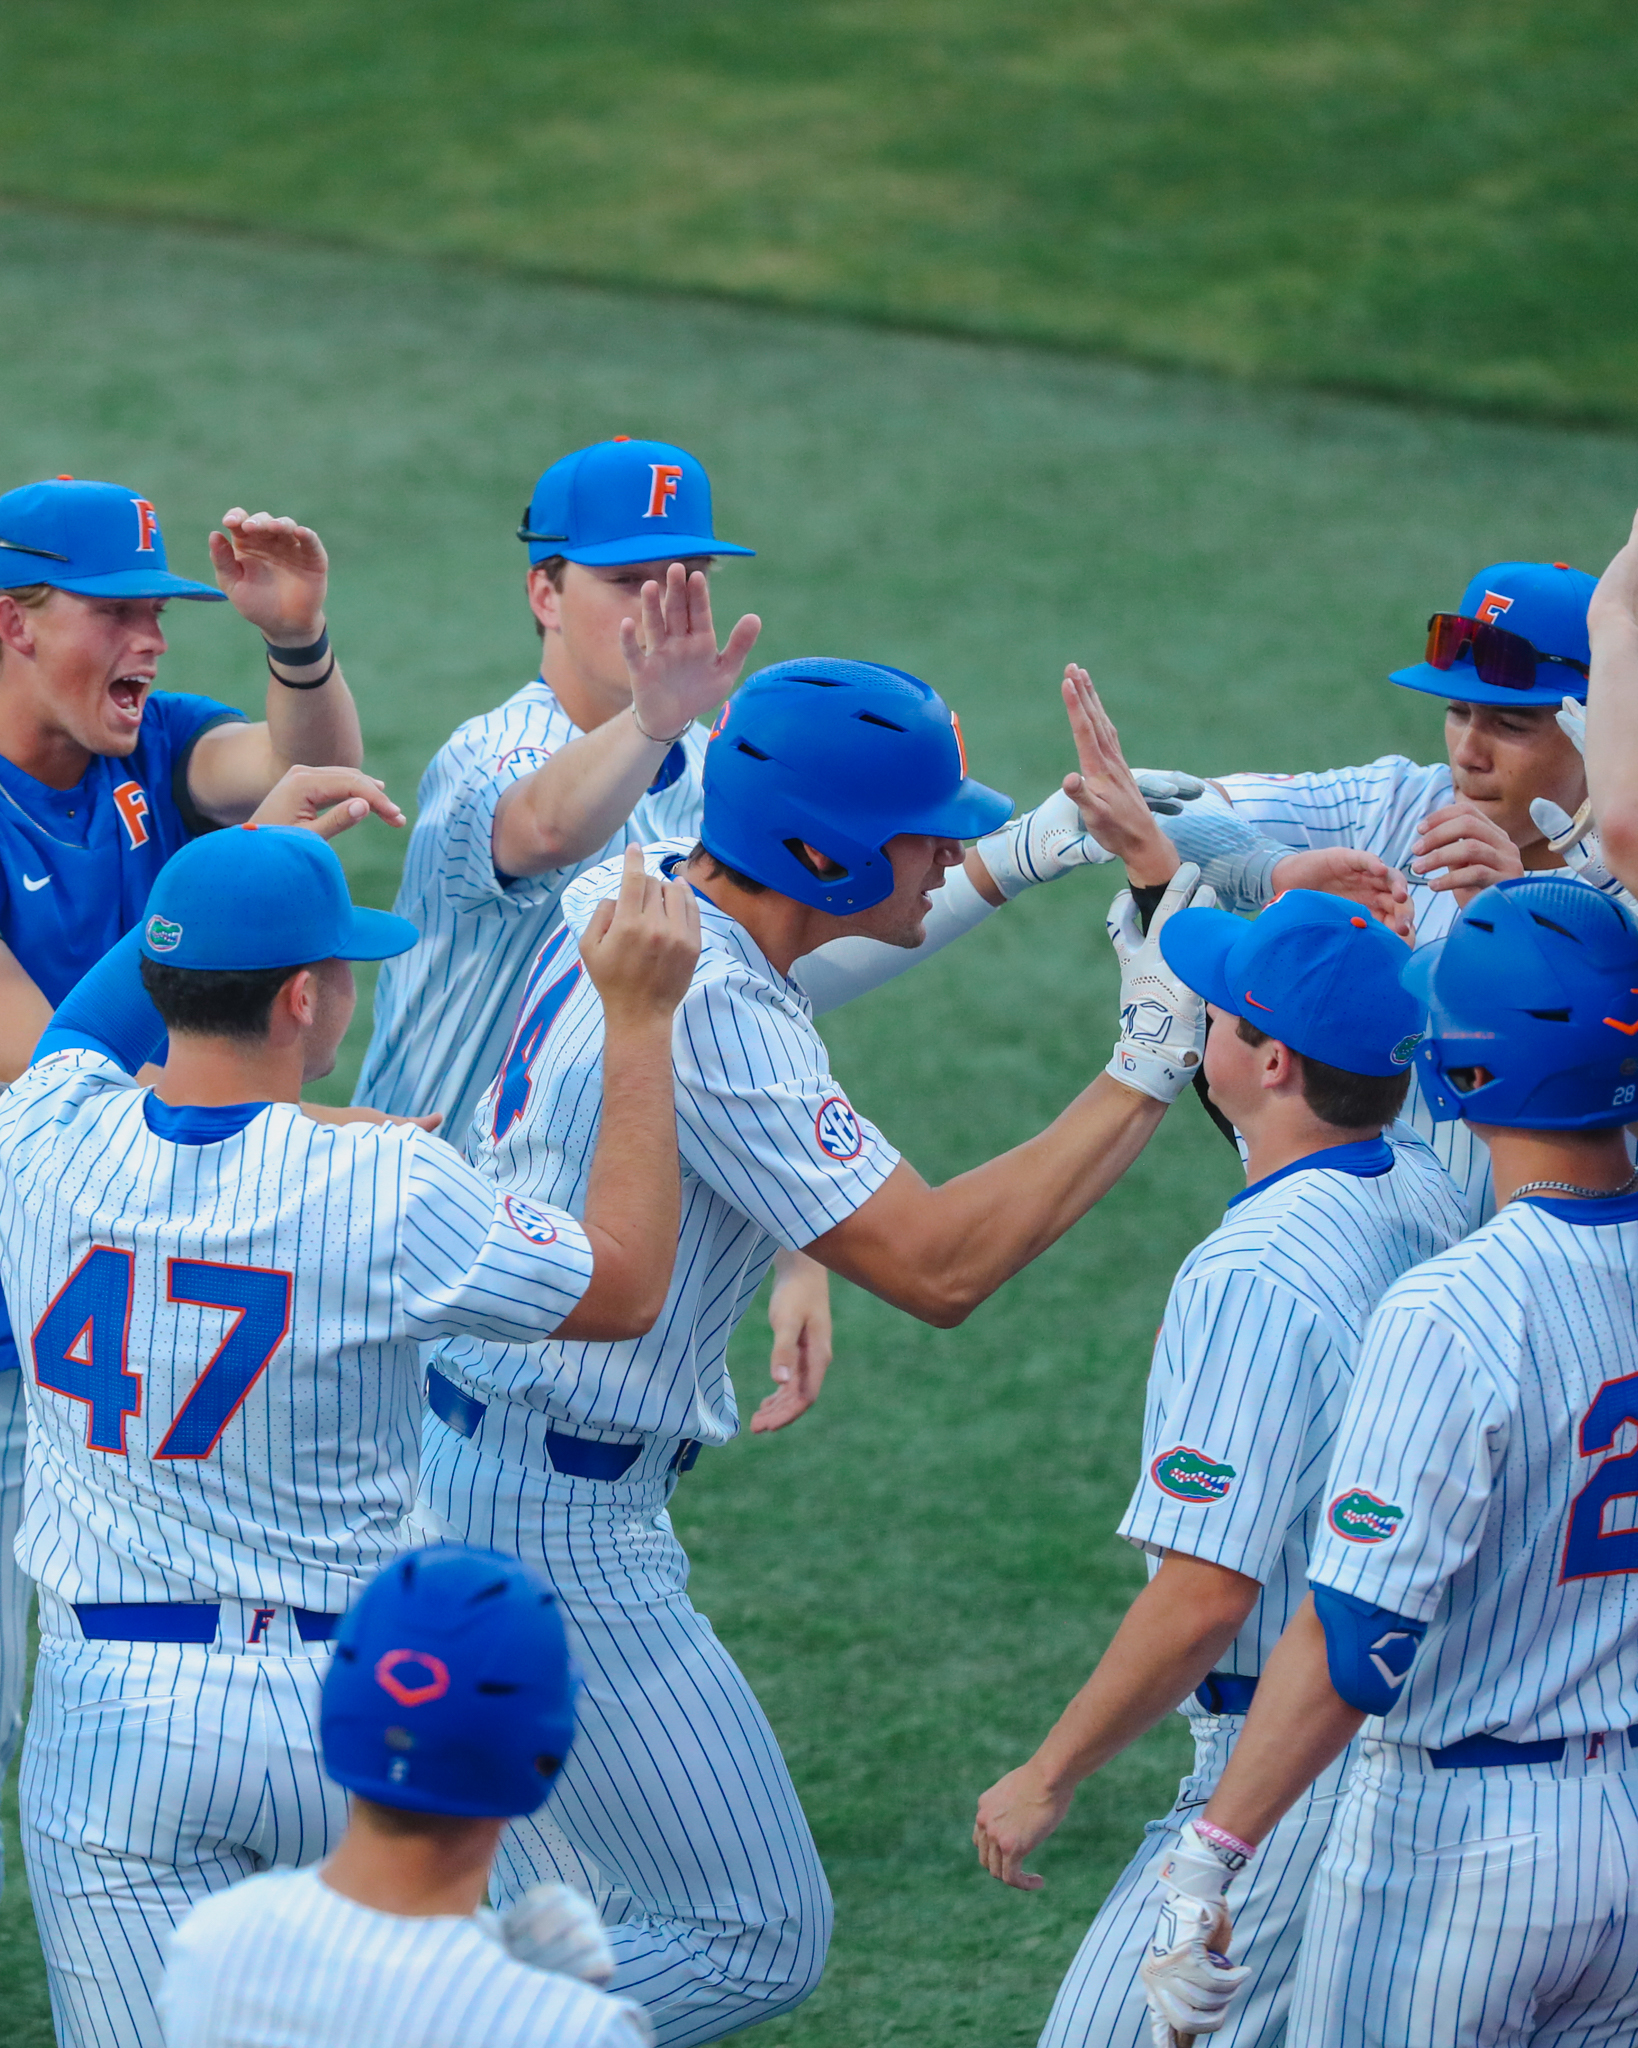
205, 1072
588, 703
416, 1875
784, 929
32, 743
1293, 1133
1583, 1159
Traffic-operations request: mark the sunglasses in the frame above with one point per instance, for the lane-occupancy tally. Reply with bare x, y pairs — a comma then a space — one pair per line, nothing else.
1505, 660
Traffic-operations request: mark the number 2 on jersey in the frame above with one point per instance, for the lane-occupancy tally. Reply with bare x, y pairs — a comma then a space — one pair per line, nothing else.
81, 1341
1590, 1550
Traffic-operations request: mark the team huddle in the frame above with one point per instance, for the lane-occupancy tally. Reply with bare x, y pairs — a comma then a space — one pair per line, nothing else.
370, 1708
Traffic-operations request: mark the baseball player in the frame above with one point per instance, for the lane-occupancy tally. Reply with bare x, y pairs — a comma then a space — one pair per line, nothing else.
1471, 1577
102, 778
224, 1300
1612, 711
1309, 1056
1506, 659
835, 800
448, 1705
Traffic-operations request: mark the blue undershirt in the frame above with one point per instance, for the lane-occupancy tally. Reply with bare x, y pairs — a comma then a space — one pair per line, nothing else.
1365, 1158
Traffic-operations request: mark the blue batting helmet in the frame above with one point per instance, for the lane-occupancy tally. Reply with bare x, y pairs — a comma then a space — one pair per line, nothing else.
1538, 985
839, 756
451, 1689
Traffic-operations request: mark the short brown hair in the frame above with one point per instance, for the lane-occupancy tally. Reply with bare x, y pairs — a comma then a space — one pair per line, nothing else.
722, 872
552, 567
30, 595
1349, 1101
399, 1820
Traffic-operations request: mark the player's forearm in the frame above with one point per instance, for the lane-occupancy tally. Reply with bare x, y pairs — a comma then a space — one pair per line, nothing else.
1172, 1635
1612, 741
633, 1195
574, 803
1298, 1725
313, 728
938, 1252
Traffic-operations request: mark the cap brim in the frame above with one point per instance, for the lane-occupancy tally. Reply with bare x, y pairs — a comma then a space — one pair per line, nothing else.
641, 547
377, 935
137, 583
1462, 685
1195, 945
970, 812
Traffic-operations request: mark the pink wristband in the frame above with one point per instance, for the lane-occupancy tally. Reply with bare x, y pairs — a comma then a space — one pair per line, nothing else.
1220, 1838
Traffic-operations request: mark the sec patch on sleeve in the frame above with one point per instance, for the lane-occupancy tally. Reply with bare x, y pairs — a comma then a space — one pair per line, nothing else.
1359, 1517
1191, 1476
837, 1130
532, 1223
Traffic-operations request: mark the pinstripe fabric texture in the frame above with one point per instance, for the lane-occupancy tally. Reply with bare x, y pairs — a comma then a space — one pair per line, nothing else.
1378, 808
1100, 2003
284, 1962
14, 1586
675, 1795
1251, 1370
444, 1010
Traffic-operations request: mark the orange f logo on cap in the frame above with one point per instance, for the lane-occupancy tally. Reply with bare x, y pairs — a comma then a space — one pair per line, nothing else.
666, 476
1493, 607
147, 525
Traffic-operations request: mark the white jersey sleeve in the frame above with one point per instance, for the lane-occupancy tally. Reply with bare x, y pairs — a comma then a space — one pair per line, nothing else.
1376, 808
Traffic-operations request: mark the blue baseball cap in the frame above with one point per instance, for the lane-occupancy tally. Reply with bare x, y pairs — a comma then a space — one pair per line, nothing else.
1544, 603
1311, 970
99, 540
451, 1689
623, 501
263, 896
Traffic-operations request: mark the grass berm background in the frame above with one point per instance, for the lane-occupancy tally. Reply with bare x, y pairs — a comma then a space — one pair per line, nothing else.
372, 329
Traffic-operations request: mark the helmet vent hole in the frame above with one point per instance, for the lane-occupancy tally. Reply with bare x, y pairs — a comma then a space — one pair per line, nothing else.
495, 1688
495, 1590
755, 753
1551, 925
870, 718
823, 869
1479, 924
1550, 1016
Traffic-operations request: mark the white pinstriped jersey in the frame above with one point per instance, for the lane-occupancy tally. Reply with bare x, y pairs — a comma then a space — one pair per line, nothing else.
1255, 1356
281, 1961
772, 1154
445, 1009
223, 1376
1485, 1478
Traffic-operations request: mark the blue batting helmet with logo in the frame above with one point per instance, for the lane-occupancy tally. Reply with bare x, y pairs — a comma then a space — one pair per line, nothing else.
1537, 986
840, 756
451, 1689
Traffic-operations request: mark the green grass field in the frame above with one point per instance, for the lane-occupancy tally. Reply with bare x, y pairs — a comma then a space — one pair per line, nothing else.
919, 1574
1416, 196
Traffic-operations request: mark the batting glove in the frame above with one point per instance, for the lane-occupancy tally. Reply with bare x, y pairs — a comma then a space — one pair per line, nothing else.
1577, 840
1232, 855
1049, 841
1188, 1981
553, 1927
1571, 718
1162, 1023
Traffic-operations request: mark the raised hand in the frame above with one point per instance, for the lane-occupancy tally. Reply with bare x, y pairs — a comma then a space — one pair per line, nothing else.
1465, 850
326, 800
677, 673
1162, 1023
275, 573
641, 945
1361, 877
1105, 792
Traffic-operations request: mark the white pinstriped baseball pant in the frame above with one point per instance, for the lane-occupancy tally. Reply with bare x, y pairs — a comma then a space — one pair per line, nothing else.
14, 1586
153, 1775
684, 1824
1100, 2003
1493, 1908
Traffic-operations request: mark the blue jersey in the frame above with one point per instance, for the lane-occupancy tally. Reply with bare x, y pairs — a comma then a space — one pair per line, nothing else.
76, 864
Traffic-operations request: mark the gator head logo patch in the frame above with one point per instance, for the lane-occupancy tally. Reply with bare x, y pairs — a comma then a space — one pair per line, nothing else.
1186, 1475
1360, 1517
1405, 1051
162, 935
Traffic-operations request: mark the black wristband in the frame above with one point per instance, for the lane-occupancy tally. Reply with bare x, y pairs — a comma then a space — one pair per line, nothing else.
317, 682
301, 657
1147, 900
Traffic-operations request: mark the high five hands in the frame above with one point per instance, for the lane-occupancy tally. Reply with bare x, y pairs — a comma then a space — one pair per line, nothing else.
677, 673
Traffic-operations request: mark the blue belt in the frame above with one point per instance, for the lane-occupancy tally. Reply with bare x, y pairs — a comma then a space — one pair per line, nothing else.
182, 1621
1473, 1752
1225, 1692
577, 1457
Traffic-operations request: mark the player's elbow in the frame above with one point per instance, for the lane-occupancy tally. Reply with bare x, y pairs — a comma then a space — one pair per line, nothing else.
624, 1299
943, 1299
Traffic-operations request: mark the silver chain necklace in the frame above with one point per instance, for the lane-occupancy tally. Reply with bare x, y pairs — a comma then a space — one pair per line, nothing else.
1568, 1187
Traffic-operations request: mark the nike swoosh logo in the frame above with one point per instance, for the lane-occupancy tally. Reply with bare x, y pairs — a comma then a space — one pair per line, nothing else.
31, 885
1252, 1000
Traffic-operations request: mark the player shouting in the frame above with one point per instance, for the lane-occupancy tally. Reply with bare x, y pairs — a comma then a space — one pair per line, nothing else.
1472, 1575
1309, 1056
836, 799
449, 1704
1505, 659
225, 1300
103, 778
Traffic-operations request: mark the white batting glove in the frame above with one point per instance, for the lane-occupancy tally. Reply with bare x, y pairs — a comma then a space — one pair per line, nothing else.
552, 1927
1188, 1981
1571, 719
1232, 855
1577, 839
1049, 841
1162, 1023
